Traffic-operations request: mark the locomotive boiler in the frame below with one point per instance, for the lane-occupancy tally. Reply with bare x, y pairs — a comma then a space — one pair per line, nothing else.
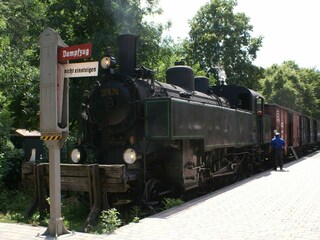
174, 136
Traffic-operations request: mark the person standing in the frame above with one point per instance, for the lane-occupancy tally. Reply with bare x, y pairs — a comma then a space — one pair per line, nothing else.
277, 147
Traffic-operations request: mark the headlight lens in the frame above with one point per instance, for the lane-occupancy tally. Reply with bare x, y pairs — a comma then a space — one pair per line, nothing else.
75, 155
108, 62
105, 62
129, 156
78, 155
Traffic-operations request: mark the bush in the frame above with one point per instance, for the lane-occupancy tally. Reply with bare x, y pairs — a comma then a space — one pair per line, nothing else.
73, 211
13, 204
10, 157
110, 220
171, 202
10, 165
135, 214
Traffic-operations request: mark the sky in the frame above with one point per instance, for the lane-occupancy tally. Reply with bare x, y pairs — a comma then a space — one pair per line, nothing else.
290, 28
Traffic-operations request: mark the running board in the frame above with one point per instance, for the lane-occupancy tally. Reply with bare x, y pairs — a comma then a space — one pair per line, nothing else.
222, 174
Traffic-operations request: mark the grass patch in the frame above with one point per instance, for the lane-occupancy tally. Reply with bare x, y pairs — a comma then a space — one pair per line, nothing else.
14, 204
74, 211
171, 202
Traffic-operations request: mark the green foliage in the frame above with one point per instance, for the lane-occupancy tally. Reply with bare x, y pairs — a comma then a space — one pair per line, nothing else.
36, 219
10, 166
19, 65
73, 212
110, 220
171, 202
166, 56
13, 204
19, 84
22, 21
135, 214
221, 38
10, 158
293, 87
135, 219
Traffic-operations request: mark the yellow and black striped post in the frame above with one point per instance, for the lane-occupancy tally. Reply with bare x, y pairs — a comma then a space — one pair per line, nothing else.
48, 138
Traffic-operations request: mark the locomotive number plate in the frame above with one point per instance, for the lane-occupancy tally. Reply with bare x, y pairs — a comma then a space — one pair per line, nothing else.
110, 92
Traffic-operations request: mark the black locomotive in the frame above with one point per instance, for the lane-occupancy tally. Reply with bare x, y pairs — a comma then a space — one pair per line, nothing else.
173, 136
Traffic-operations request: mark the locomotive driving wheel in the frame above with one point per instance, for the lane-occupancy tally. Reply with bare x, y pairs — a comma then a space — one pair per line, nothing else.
152, 191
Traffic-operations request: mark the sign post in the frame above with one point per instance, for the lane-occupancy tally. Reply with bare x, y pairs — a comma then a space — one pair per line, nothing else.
54, 120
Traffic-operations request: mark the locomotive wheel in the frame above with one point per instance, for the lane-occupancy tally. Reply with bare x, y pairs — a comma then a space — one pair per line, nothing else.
152, 191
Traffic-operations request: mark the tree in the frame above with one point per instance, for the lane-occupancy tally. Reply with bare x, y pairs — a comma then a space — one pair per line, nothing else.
19, 84
221, 38
19, 71
77, 21
10, 158
100, 22
293, 87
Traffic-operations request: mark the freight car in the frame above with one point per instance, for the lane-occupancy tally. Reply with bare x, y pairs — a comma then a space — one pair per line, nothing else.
173, 136
301, 132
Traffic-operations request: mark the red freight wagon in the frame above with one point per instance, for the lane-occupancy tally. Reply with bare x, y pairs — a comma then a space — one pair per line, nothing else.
309, 131
305, 130
286, 122
313, 131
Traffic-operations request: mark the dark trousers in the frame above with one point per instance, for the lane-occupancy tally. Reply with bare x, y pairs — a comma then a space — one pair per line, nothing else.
277, 155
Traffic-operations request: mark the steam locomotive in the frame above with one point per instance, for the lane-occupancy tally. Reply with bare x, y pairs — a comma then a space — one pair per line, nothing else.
180, 135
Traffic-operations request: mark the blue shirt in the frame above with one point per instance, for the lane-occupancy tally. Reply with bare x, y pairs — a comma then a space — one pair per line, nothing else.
277, 142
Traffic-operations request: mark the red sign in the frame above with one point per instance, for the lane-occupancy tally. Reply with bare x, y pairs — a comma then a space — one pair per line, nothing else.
75, 52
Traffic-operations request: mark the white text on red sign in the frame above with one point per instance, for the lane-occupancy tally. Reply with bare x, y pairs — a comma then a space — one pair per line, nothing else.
75, 52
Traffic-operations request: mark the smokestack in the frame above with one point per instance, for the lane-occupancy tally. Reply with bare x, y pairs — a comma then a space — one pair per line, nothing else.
127, 53
222, 76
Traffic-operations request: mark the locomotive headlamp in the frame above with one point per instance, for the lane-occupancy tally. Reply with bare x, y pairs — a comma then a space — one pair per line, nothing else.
105, 62
78, 154
129, 156
108, 62
75, 155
